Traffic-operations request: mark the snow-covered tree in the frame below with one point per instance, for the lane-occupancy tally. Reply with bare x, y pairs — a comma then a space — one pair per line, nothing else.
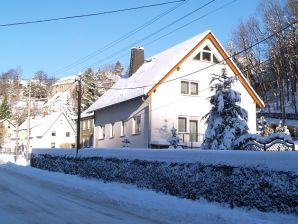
282, 129
174, 140
226, 120
5, 111
264, 127
91, 89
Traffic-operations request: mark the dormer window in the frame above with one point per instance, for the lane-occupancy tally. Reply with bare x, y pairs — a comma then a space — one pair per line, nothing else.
206, 55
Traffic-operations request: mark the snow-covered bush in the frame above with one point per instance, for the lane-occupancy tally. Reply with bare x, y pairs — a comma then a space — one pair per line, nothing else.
252, 187
282, 129
226, 120
174, 140
125, 142
264, 127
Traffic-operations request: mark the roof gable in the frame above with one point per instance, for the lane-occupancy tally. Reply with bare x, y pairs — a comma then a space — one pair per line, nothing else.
229, 62
159, 67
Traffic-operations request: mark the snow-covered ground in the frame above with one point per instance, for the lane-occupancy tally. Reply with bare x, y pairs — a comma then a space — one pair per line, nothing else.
29, 195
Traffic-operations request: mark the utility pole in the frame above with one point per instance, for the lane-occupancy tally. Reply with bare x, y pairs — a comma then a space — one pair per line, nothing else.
17, 141
28, 123
79, 91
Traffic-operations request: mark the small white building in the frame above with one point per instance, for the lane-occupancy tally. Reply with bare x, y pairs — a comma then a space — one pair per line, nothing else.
6, 132
168, 89
48, 131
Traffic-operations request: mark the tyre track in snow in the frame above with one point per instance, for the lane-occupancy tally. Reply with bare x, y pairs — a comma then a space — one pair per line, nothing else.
26, 199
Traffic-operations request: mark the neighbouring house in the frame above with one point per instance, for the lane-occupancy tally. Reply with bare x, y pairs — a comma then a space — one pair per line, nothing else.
168, 89
86, 126
64, 84
6, 132
48, 131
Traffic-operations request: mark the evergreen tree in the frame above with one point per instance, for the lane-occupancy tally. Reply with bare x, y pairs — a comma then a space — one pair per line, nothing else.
91, 88
5, 111
118, 70
226, 120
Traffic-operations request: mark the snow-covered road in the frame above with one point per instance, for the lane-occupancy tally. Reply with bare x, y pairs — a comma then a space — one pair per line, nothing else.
25, 199
29, 195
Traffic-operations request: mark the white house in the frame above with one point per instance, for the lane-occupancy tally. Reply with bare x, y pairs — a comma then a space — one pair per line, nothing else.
48, 131
6, 132
169, 89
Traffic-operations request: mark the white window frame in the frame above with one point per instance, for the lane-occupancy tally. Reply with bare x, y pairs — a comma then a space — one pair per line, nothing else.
122, 128
101, 132
186, 122
199, 56
111, 130
189, 87
136, 125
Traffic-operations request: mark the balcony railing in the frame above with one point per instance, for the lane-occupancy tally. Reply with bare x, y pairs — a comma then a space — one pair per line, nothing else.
191, 140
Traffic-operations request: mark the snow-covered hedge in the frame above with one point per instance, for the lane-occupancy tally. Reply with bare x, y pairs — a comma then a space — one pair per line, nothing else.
252, 187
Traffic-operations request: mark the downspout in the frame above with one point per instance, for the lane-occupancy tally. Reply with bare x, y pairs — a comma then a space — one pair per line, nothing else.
149, 118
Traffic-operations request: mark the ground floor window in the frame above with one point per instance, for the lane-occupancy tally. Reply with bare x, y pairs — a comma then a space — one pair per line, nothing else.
136, 125
182, 125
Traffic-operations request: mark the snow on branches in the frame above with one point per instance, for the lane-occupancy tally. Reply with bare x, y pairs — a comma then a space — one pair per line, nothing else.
226, 120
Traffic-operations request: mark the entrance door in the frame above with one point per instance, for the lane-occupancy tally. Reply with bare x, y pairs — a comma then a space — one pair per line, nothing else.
193, 129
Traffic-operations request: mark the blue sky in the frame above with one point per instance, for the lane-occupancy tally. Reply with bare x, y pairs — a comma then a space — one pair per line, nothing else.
53, 46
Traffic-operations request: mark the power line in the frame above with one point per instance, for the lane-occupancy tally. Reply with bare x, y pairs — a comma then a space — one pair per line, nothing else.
124, 37
223, 60
87, 15
189, 23
152, 34
183, 26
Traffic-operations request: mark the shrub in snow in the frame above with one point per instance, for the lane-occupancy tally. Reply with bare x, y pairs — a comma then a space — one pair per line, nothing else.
252, 187
282, 129
264, 127
174, 140
226, 120
125, 142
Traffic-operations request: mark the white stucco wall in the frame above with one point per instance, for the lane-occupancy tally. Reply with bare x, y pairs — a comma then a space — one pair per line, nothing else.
122, 112
168, 104
60, 128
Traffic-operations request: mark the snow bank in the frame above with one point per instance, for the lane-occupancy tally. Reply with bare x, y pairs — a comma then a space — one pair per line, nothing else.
279, 161
146, 203
252, 187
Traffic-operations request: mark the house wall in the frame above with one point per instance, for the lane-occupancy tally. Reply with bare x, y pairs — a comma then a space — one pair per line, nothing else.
61, 126
122, 112
86, 126
168, 104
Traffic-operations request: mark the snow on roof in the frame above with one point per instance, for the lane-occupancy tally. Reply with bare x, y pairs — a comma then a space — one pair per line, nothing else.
67, 79
85, 114
152, 71
39, 125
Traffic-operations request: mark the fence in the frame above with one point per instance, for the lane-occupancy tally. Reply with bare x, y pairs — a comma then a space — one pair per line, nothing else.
192, 140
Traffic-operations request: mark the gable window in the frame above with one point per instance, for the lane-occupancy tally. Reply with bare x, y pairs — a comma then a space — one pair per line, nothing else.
53, 145
136, 125
182, 124
189, 88
53, 133
184, 87
206, 55
112, 130
67, 134
122, 131
101, 132
84, 125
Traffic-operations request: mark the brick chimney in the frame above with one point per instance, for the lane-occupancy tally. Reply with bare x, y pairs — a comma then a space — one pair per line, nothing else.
136, 59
